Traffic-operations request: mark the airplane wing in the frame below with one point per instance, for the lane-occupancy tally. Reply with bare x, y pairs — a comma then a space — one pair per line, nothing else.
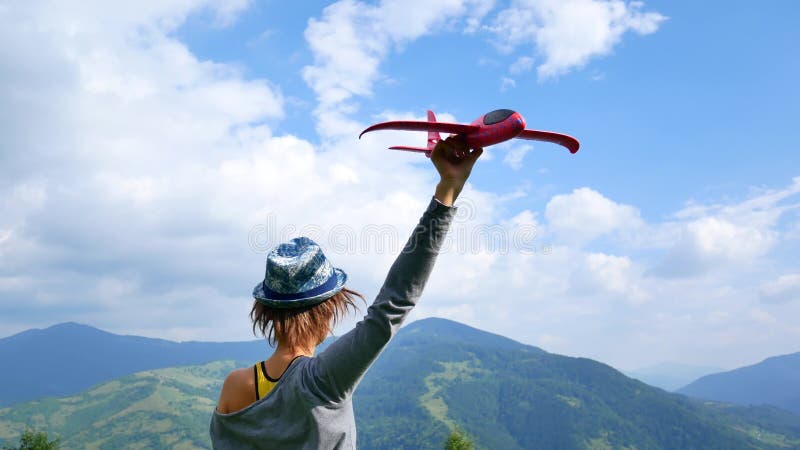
427, 151
413, 125
569, 142
409, 149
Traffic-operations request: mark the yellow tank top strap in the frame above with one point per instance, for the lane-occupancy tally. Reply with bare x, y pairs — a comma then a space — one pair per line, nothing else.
264, 383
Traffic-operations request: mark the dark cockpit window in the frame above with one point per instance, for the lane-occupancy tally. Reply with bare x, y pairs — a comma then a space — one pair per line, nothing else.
497, 115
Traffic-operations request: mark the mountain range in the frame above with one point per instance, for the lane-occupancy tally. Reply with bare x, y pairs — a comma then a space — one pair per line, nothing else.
774, 381
67, 358
436, 375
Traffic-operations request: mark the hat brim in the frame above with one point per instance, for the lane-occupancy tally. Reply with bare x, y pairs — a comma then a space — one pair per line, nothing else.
262, 297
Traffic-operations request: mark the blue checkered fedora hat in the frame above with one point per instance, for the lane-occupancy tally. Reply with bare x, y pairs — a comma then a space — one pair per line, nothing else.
298, 274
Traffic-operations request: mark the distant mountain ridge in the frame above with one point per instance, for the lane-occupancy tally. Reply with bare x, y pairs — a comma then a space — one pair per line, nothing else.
671, 376
67, 358
435, 375
774, 381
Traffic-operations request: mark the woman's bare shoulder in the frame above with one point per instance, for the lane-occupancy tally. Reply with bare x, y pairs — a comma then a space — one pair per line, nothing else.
238, 391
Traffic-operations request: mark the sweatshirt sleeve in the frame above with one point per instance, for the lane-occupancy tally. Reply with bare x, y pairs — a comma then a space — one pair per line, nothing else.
337, 370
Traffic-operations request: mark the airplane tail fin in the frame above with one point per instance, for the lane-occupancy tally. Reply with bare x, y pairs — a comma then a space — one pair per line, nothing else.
433, 136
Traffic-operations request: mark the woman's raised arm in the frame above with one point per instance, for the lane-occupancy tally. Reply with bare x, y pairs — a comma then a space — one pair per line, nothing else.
341, 366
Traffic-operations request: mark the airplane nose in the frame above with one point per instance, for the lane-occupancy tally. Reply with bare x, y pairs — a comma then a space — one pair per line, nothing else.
519, 122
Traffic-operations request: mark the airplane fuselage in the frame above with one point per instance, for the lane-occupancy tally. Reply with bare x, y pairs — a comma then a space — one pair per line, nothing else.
495, 127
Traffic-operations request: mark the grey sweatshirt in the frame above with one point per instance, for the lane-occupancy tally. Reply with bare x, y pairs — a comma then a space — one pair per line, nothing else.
311, 406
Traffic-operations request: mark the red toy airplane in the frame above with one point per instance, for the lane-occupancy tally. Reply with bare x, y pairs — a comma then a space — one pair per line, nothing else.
492, 128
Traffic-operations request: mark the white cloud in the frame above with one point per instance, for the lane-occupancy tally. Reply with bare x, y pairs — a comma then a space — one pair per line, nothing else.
586, 214
609, 274
719, 236
762, 317
784, 289
159, 167
568, 33
762, 209
111, 193
515, 156
351, 40
588, 296
477, 10
711, 242
507, 83
521, 65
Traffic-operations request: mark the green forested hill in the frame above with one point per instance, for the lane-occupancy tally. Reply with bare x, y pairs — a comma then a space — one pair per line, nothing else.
434, 376
510, 396
164, 408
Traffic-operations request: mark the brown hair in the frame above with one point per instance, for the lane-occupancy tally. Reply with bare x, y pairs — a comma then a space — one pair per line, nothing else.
302, 326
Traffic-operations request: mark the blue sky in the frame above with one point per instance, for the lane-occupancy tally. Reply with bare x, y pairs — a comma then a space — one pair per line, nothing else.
681, 93
153, 150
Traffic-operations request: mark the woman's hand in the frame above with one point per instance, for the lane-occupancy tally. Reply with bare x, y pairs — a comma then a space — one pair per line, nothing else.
453, 160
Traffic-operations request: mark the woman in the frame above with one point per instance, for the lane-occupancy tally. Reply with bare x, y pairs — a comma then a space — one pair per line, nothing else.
295, 400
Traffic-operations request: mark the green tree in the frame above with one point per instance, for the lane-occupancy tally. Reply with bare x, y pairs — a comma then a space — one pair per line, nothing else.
458, 440
35, 440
